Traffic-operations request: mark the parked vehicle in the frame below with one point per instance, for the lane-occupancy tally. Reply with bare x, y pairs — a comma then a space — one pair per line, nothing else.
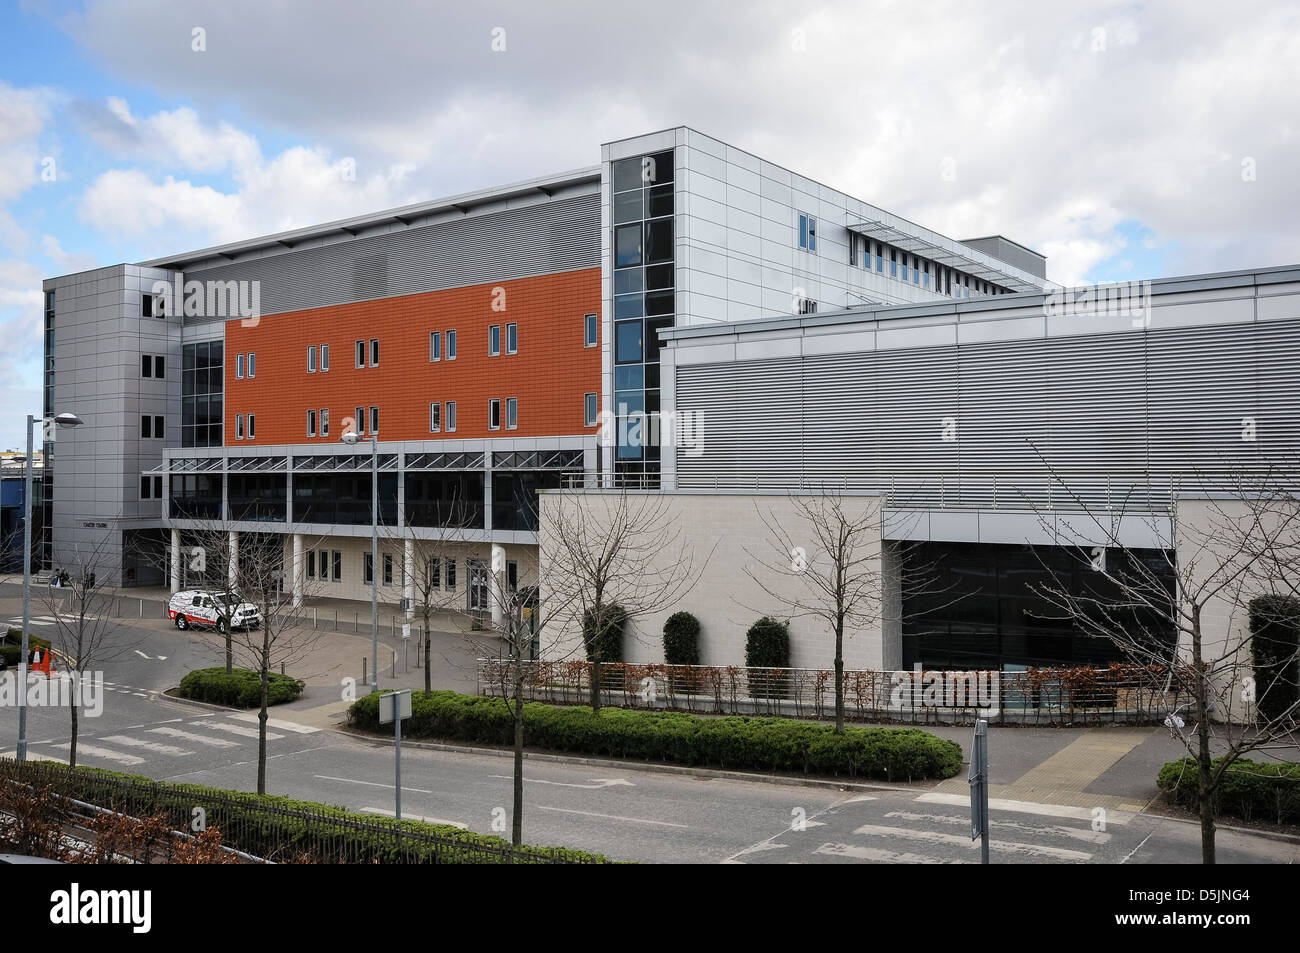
213, 610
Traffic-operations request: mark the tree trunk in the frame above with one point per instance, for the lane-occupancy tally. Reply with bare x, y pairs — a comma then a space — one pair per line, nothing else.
1204, 781
839, 677
428, 669
265, 674
230, 648
517, 820
595, 687
72, 749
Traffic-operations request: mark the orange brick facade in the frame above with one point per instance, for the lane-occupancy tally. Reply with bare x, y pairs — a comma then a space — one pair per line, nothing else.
549, 374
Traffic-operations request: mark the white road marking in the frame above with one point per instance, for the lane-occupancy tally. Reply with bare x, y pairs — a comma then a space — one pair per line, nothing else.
106, 754
196, 739
961, 840
612, 817
237, 730
1029, 807
880, 855
33, 756
413, 817
170, 750
862, 797
1077, 833
373, 784
275, 723
596, 782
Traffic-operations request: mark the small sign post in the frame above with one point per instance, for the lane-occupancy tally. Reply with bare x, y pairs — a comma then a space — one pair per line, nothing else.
394, 706
979, 788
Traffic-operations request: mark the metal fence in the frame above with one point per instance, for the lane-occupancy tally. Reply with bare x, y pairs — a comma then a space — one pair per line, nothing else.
278, 831
1127, 694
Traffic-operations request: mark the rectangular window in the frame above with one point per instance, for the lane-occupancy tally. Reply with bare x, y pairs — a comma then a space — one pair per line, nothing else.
435, 346
904, 264
311, 564
807, 232
451, 416
158, 430
916, 271
893, 263
311, 423
451, 574
324, 357
388, 569
435, 573
158, 364
311, 359
146, 365
239, 367
494, 415
512, 575
252, 364
324, 422
880, 258
338, 566
146, 306
512, 413
359, 421
494, 340
145, 486
157, 488
374, 420
251, 430
361, 353
512, 338
374, 352
239, 426
435, 417
451, 345
590, 325
368, 568
590, 409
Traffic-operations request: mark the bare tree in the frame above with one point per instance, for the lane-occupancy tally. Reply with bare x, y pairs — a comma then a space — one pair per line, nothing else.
611, 557
85, 634
1220, 546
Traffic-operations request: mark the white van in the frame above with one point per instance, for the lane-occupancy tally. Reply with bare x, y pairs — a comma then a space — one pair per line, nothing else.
213, 609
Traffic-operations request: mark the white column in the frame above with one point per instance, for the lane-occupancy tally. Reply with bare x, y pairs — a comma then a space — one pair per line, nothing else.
408, 589
497, 581
176, 561
232, 566
297, 570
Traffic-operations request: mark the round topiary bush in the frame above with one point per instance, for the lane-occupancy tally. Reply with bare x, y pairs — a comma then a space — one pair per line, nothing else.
682, 639
767, 644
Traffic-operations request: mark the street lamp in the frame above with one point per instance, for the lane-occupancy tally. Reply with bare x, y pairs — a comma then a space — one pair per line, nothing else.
351, 439
62, 420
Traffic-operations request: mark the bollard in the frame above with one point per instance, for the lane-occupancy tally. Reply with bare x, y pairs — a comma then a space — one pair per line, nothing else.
364, 680
406, 666
393, 671
314, 614
281, 668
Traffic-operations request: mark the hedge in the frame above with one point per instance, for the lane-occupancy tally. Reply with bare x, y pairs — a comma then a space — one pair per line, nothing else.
763, 744
11, 648
242, 688
1248, 789
250, 823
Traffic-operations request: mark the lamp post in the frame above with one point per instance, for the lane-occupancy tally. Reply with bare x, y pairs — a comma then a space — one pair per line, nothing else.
351, 439
62, 420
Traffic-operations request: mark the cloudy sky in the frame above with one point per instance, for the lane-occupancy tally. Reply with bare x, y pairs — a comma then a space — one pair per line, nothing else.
1122, 140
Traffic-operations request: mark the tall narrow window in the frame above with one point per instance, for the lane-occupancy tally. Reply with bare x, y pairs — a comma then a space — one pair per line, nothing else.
388, 569
807, 232
252, 430
512, 338
239, 367
324, 422
158, 364
361, 353
338, 565
451, 416
374, 352
252, 364
494, 340
435, 346
146, 365
374, 420
435, 417
239, 426
359, 421
158, 430
451, 574
435, 572
311, 359
512, 413
451, 345
311, 423
311, 564
324, 357
368, 568
146, 428
590, 324
494, 415
589, 415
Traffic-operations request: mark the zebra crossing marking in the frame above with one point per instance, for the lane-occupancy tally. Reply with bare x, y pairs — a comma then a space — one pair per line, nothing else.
196, 739
127, 742
237, 730
277, 723
962, 840
106, 754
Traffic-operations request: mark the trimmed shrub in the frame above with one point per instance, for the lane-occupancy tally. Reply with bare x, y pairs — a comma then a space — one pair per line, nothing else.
682, 639
11, 647
242, 688
767, 646
253, 823
758, 744
1249, 789
605, 645
1275, 650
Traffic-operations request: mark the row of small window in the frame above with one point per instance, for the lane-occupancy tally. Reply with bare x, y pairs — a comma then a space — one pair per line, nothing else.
327, 565
927, 274
243, 432
322, 418
153, 365
152, 427
245, 363
151, 487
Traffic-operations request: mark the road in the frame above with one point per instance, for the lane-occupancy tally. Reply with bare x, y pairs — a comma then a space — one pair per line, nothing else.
624, 813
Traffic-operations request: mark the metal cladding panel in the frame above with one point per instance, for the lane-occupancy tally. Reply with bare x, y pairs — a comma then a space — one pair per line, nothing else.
558, 236
1098, 419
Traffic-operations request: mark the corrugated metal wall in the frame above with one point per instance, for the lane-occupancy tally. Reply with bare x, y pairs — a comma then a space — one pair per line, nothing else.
1098, 412
563, 235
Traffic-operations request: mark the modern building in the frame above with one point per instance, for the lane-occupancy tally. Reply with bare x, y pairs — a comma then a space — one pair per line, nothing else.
521, 338
13, 494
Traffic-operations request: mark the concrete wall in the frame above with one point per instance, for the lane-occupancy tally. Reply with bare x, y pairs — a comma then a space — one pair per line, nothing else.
724, 534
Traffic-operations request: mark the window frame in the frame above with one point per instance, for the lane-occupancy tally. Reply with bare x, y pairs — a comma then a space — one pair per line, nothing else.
374, 419
324, 421
374, 352
239, 367
249, 430
359, 347
494, 411
146, 370
590, 401
449, 416
512, 332
311, 422
435, 347
324, 358
591, 322
359, 421
252, 364
311, 358
512, 410
451, 344
239, 426
494, 340
435, 416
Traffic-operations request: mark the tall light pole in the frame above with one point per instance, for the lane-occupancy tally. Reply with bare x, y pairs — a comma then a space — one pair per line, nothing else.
351, 439
62, 420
